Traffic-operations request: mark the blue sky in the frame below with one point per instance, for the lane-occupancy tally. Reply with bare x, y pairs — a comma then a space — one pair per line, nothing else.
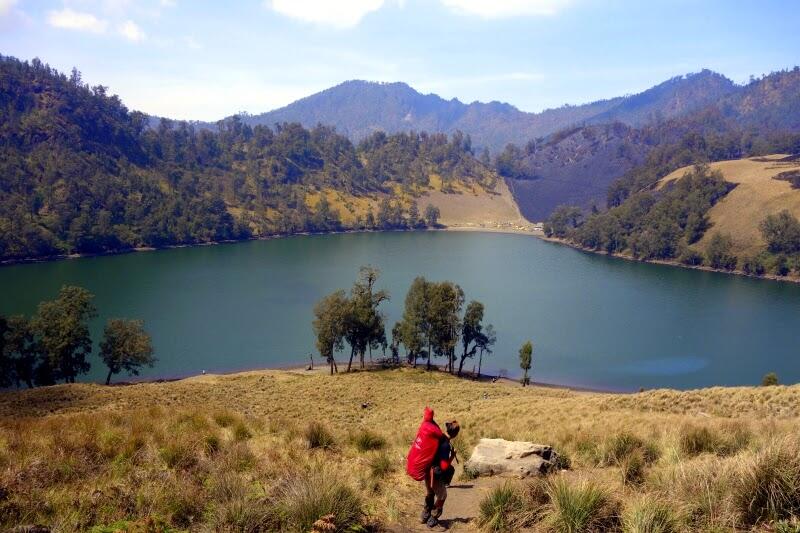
203, 59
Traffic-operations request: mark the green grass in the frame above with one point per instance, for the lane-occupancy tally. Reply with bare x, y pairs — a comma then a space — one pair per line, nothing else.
366, 440
768, 489
580, 507
500, 509
308, 496
650, 515
318, 436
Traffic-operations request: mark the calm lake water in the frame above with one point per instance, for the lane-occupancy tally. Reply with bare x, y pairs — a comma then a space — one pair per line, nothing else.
595, 321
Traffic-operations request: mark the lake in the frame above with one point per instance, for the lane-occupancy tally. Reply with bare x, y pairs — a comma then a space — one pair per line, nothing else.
595, 321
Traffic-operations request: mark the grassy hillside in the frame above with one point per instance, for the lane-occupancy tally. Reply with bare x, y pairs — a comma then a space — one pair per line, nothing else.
234, 453
757, 194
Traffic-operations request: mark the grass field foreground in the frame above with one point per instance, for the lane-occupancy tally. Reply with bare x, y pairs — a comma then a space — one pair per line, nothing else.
280, 450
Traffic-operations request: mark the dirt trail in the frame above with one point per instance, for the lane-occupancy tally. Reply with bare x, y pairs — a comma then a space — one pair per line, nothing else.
460, 511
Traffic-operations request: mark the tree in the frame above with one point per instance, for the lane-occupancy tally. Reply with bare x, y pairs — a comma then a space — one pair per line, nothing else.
525, 356
446, 300
62, 328
432, 215
125, 346
562, 221
485, 345
718, 252
19, 352
769, 380
471, 331
782, 232
330, 319
364, 324
414, 220
414, 326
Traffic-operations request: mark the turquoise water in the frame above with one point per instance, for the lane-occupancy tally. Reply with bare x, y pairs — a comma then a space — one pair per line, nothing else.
594, 321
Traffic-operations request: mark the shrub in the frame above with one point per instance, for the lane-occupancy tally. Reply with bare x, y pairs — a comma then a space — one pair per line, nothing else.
178, 455
211, 444
380, 465
768, 488
718, 252
366, 440
318, 436
562, 461
303, 499
241, 431
753, 265
780, 265
245, 515
501, 509
695, 440
224, 419
632, 468
622, 445
691, 257
580, 507
769, 379
648, 515
468, 473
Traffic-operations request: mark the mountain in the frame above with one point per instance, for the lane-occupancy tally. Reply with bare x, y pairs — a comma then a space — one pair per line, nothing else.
79, 173
577, 165
357, 108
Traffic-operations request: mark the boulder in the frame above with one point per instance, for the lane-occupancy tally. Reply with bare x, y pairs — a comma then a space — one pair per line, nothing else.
497, 457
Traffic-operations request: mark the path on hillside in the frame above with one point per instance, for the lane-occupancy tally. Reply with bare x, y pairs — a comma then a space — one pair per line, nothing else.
460, 510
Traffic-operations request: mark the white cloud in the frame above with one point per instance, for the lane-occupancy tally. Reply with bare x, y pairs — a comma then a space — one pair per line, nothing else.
342, 14
506, 8
5, 7
76, 20
131, 31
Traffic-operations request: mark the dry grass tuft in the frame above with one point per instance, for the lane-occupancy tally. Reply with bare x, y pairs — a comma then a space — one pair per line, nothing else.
580, 506
768, 488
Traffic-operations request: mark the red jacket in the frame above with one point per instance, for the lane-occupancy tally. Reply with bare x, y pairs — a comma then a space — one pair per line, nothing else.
423, 449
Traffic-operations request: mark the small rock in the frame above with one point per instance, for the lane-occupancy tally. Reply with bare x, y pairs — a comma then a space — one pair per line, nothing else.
493, 457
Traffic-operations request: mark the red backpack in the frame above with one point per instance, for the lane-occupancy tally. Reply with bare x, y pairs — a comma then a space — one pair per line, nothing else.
423, 449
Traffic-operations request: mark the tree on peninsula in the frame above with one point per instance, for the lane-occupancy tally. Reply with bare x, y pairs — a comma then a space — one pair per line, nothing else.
126, 346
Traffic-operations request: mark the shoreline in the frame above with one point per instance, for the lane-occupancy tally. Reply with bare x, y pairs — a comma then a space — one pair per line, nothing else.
324, 369
515, 230
668, 262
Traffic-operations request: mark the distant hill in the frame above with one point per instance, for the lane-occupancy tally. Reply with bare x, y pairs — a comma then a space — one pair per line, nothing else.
576, 166
759, 192
79, 173
357, 108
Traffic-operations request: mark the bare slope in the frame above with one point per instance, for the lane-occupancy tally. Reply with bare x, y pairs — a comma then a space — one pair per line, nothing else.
757, 195
477, 208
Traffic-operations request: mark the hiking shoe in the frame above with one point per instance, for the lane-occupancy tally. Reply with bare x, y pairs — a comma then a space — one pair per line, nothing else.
425, 516
434, 524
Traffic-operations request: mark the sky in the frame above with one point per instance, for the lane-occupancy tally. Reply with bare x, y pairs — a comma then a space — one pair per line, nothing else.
204, 59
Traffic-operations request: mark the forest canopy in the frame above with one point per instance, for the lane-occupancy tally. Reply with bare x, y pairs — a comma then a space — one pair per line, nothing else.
80, 173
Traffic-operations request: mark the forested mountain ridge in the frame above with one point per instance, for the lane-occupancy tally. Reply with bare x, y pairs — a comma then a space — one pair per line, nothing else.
578, 165
358, 108
79, 173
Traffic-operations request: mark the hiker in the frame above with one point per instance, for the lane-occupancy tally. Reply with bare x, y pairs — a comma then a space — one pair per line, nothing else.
429, 461
441, 474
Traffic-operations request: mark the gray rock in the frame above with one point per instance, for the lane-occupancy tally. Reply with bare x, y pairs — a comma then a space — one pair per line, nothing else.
497, 457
